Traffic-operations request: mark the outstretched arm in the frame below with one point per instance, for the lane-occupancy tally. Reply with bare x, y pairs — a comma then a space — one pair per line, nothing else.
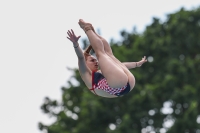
131, 65
79, 52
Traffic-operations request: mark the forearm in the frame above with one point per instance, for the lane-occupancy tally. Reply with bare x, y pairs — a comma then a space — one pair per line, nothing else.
78, 50
131, 65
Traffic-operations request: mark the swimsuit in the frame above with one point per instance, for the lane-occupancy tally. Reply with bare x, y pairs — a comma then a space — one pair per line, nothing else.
99, 82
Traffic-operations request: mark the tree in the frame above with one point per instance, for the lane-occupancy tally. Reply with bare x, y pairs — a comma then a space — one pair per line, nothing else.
166, 95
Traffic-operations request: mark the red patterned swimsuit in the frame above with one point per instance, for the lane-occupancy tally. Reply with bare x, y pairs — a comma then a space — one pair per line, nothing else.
99, 82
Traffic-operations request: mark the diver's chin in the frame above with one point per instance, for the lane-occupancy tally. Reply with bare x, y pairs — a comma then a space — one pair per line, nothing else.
96, 69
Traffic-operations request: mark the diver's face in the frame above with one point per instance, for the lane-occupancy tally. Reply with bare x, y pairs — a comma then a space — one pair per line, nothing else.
92, 63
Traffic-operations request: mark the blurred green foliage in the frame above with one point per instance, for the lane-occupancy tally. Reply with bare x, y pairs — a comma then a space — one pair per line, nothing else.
166, 95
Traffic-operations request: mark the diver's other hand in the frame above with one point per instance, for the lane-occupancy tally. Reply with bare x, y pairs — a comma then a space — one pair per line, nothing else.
139, 64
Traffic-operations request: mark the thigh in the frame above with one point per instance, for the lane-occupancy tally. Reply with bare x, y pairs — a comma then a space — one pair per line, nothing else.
131, 78
114, 74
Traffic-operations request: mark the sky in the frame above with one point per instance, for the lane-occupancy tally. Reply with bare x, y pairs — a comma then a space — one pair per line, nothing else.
35, 53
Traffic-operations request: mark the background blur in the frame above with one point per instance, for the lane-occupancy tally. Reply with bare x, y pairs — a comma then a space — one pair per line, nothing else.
35, 54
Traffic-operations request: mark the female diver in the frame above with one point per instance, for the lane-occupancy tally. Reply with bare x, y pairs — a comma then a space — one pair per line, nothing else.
113, 79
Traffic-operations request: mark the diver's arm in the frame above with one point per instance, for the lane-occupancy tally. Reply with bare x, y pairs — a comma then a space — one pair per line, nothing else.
131, 65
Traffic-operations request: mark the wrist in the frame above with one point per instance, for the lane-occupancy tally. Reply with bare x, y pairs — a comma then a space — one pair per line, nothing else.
75, 45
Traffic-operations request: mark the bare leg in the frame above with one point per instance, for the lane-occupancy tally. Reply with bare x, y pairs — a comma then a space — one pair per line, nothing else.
109, 52
115, 75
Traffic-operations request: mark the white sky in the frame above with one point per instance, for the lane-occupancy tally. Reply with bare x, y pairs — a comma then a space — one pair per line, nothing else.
34, 51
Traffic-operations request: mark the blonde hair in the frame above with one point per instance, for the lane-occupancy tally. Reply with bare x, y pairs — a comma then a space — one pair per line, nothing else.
87, 51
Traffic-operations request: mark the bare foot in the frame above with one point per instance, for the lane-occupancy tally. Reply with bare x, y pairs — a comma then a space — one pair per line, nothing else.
83, 23
86, 26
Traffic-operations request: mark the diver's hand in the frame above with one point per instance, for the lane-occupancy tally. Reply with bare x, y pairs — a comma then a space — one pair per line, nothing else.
72, 37
139, 64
